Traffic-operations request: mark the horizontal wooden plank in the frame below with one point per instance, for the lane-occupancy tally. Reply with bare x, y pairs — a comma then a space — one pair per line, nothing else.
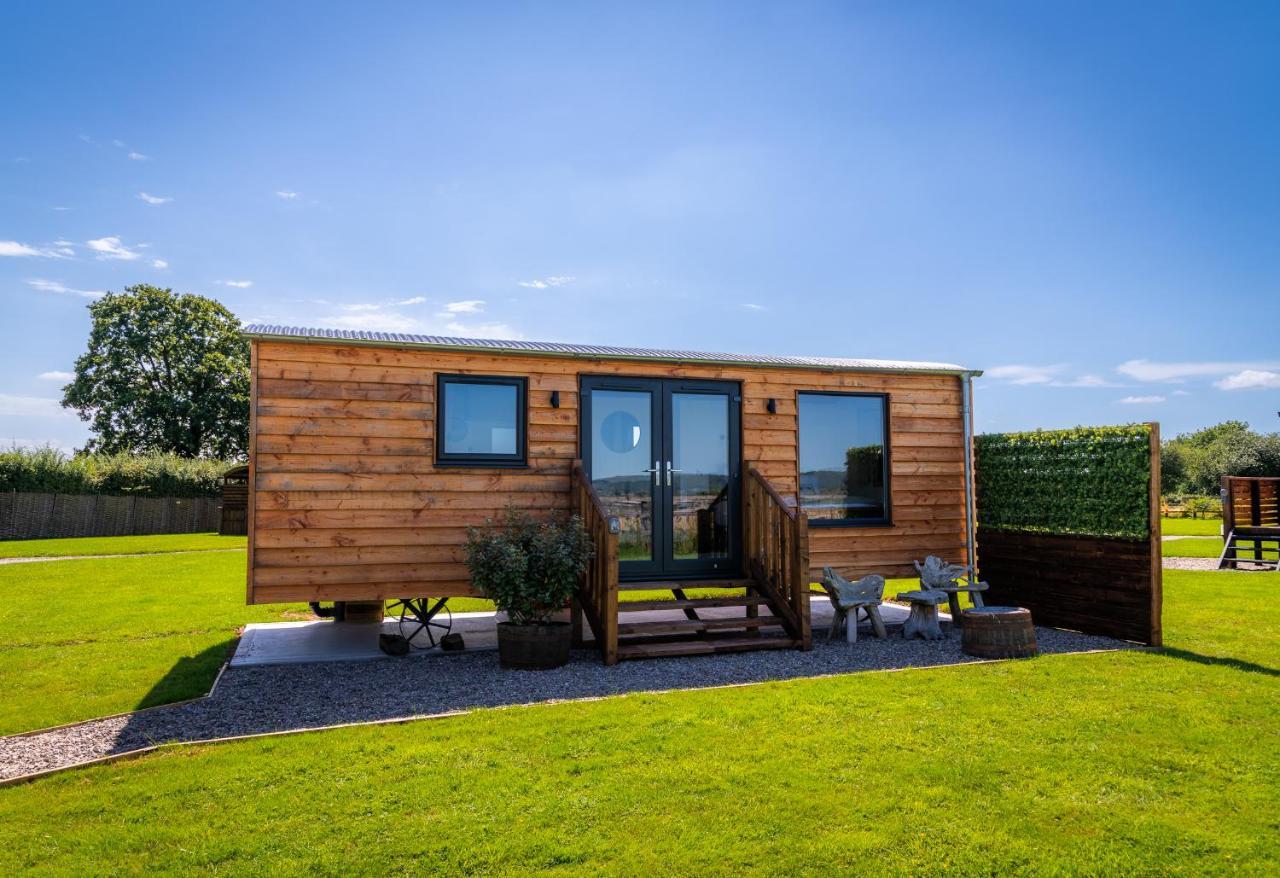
361, 573
347, 555
360, 591
421, 501
433, 532
390, 427
344, 464
281, 388
362, 445
469, 480
343, 408
365, 518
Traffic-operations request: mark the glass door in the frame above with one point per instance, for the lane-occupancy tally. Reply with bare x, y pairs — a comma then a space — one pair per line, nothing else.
664, 457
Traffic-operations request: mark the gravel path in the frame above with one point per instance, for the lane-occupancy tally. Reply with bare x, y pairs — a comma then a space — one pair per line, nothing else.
277, 698
36, 558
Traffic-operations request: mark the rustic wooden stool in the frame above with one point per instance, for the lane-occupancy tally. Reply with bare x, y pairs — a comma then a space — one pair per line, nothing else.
923, 620
998, 632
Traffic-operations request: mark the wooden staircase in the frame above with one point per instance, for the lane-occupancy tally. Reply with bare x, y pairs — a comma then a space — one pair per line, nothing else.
1263, 551
767, 609
1250, 514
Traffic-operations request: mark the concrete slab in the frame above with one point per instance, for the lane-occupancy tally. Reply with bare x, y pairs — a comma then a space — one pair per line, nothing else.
287, 643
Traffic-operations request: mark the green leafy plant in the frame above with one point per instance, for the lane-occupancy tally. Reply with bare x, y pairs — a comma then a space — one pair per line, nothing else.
50, 471
1089, 480
528, 568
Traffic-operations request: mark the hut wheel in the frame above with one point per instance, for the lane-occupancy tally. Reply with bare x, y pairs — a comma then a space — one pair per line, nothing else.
424, 621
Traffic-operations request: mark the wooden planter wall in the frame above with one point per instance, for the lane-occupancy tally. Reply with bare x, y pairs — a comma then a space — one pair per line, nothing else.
1096, 585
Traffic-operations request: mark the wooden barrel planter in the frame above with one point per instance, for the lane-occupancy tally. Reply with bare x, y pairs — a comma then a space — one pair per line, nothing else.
998, 632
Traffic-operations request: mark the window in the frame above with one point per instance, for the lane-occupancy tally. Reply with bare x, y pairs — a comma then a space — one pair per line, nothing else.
844, 458
480, 421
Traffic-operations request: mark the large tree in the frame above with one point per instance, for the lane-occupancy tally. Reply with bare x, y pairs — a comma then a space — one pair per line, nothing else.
163, 372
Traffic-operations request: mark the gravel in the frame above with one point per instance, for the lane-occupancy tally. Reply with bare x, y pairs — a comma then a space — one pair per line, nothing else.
277, 698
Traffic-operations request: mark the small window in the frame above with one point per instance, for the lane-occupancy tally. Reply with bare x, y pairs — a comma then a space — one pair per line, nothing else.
844, 458
480, 421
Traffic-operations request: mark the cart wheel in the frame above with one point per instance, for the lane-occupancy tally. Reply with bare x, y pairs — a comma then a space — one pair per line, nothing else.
423, 622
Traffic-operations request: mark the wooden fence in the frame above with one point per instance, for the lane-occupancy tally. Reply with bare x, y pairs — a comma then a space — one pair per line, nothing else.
29, 516
1097, 585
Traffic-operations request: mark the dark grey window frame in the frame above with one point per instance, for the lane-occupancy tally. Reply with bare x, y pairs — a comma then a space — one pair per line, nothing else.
887, 520
521, 456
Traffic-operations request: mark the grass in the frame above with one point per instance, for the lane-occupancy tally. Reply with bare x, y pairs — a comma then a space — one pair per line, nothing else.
118, 545
1191, 527
1157, 763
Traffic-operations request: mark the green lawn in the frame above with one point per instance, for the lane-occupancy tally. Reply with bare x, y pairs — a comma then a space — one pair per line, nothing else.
1192, 527
1155, 763
118, 545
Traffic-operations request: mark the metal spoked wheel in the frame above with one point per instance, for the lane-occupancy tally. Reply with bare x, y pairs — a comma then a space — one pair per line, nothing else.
423, 622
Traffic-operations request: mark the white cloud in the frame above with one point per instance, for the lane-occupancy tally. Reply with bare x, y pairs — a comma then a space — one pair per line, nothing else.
56, 376
483, 330
238, 284
1086, 381
1251, 379
1025, 374
361, 306
416, 300
16, 248
470, 306
154, 199
31, 406
751, 307
286, 195
1145, 370
159, 263
374, 321
557, 280
118, 143
139, 157
60, 207
1140, 400
53, 286
112, 248
1181, 393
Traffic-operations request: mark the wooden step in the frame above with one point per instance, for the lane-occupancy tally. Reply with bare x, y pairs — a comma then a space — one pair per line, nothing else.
703, 647
684, 584
691, 604
682, 626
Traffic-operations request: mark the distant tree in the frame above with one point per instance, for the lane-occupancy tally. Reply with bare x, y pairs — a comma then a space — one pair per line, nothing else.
1195, 463
163, 372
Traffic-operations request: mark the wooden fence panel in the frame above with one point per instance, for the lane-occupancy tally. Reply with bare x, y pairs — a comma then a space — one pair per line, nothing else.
32, 516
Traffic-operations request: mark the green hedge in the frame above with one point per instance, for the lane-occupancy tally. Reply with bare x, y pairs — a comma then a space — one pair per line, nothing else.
1090, 480
49, 471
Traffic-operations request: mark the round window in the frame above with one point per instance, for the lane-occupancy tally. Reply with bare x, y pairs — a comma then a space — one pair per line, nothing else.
620, 432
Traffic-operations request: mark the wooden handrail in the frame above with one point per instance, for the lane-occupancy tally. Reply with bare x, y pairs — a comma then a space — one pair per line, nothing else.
598, 586
777, 552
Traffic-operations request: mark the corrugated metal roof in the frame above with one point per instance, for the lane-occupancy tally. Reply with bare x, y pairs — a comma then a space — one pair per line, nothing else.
400, 339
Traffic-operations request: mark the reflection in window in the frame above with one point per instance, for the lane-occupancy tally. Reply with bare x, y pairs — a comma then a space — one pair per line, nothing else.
700, 496
622, 453
481, 420
843, 447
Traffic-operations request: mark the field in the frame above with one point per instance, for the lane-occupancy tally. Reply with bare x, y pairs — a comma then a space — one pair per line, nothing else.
1153, 763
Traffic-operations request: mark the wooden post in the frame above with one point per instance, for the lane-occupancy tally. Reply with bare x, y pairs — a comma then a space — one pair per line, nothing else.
801, 582
1228, 507
1157, 562
610, 611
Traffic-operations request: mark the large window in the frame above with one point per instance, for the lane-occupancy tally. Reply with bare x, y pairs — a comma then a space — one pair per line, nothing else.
844, 458
480, 421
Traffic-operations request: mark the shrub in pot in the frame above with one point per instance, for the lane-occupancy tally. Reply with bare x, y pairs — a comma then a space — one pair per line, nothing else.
529, 569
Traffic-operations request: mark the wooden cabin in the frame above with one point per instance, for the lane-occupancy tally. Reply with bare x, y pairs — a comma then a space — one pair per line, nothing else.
371, 453
234, 519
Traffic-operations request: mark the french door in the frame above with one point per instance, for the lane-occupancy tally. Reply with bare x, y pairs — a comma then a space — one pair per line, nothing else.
664, 455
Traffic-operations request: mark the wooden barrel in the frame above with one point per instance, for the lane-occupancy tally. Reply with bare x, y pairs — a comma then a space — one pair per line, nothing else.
998, 632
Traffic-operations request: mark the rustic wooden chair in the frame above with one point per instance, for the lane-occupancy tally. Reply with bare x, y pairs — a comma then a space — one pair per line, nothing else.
847, 598
938, 575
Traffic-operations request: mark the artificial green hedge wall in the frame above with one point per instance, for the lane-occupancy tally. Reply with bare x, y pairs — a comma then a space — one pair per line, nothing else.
1090, 480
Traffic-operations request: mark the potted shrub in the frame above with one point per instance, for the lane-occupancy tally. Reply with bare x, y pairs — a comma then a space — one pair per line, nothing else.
529, 569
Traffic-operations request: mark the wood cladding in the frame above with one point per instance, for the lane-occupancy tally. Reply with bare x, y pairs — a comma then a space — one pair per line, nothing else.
348, 503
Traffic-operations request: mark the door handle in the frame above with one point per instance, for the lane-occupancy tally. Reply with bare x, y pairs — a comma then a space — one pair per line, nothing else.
657, 473
670, 471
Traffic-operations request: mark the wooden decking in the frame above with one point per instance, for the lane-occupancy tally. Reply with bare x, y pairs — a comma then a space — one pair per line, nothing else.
767, 609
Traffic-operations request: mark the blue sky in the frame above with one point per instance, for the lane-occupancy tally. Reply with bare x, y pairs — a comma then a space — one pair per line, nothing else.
1082, 199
